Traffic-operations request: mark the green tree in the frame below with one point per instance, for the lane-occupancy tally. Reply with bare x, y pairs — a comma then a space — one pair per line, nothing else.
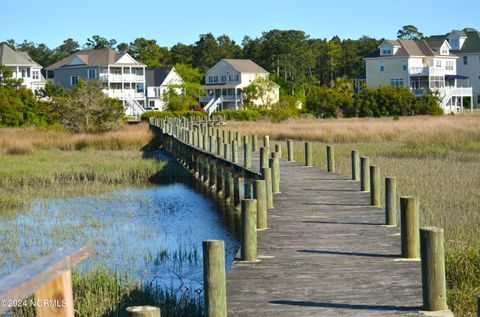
148, 52
192, 79
181, 54
178, 102
259, 93
97, 42
87, 109
409, 32
6, 79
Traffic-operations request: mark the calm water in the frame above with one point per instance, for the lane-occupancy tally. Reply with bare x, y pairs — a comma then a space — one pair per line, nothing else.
152, 233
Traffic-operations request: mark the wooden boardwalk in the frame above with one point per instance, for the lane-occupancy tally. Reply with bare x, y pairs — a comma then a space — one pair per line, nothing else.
326, 254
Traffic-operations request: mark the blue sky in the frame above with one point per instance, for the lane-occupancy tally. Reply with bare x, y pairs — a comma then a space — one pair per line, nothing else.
170, 22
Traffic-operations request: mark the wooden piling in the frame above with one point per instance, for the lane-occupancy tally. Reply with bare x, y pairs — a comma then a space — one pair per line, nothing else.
390, 201
263, 158
374, 186
260, 194
267, 177
234, 151
247, 155
266, 143
409, 225
238, 191
364, 174
290, 150
226, 151
433, 269
254, 143
308, 154
278, 149
274, 164
330, 159
249, 225
214, 278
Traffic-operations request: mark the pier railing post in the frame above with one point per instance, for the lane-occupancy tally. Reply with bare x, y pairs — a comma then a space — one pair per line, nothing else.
274, 164
364, 174
308, 154
278, 149
266, 143
249, 226
390, 201
226, 151
290, 150
254, 143
374, 186
330, 159
234, 151
409, 225
267, 176
263, 158
433, 269
247, 155
260, 194
214, 278
238, 191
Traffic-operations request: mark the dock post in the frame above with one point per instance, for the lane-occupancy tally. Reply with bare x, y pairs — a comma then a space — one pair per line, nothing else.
364, 174
308, 154
143, 311
374, 186
254, 143
266, 143
274, 164
214, 278
330, 159
278, 149
290, 150
247, 155
249, 226
259, 193
409, 219
234, 151
267, 176
433, 269
238, 191
226, 151
263, 158
390, 201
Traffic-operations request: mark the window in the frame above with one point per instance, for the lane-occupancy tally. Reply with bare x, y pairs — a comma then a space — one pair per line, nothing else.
210, 79
448, 65
397, 83
126, 70
151, 103
465, 60
215, 79
444, 50
404, 65
140, 87
382, 66
237, 77
36, 75
73, 80
230, 77
224, 78
437, 81
439, 64
387, 51
24, 73
127, 86
92, 73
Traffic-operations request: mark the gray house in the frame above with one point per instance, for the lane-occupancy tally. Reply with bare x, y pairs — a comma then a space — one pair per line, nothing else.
122, 76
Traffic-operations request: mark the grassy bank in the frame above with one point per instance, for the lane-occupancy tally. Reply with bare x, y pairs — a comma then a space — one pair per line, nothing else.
434, 158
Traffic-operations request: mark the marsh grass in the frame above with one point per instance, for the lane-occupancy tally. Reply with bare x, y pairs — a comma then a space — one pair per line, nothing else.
101, 292
433, 158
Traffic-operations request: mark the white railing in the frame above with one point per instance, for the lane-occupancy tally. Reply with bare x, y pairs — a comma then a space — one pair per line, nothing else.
117, 93
133, 107
425, 71
213, 105
120, 77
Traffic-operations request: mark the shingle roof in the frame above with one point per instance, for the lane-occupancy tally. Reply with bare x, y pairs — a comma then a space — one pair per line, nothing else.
472, 43
155, 77
245, 66
429, 47
99, 57
8, 56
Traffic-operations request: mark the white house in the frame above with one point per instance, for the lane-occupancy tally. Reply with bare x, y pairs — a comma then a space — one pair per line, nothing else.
122, 76
23, 67
466, 45
225, 82
159, 81
420, 65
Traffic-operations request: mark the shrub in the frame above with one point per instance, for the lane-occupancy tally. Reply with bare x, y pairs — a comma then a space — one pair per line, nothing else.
242, 115
169, 114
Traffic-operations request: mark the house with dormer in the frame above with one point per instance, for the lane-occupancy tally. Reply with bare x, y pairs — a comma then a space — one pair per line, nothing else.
466, 45
23, 67
421, 65
158, 82
122, 76
224, 84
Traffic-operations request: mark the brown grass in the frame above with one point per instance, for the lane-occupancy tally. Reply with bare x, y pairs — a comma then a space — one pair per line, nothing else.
425, 129
18, 140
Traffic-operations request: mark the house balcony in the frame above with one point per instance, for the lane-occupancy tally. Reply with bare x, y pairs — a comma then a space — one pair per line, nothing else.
426, 71
452, 91
228, 98
105, 77
119, 94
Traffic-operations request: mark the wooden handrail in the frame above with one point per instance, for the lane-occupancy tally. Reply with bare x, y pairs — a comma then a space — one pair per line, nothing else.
49, 278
